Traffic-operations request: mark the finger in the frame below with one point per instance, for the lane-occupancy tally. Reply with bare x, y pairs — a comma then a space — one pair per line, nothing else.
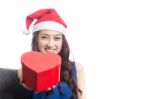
54, 86
21, 81
49, 88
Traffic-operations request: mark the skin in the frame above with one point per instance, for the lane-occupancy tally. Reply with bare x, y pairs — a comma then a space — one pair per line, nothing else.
51, 41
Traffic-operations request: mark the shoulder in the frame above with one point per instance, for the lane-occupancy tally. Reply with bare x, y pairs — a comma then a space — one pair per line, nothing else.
78, 66
79, 69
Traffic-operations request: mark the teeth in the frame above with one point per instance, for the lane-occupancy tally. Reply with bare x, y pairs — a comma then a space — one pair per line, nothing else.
50, 50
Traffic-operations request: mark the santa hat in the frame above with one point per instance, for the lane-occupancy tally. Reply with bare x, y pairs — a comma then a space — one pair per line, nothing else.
45, 19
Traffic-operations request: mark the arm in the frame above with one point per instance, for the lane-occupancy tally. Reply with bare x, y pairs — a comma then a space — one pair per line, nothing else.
81, 80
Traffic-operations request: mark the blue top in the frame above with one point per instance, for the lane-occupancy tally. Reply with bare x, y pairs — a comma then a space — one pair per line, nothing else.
56, 94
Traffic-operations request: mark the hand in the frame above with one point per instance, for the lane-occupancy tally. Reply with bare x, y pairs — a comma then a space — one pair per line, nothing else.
51, 88
50, 91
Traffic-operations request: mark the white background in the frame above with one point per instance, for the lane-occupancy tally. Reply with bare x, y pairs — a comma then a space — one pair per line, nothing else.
110, 38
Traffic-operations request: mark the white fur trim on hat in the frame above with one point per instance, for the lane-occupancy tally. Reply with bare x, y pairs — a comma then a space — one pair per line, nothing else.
50, 25
26, 32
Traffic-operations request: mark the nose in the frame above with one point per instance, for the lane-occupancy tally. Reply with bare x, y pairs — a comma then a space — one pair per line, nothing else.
50, 43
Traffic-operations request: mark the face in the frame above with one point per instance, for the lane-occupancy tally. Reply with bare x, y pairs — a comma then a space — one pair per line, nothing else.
49, 41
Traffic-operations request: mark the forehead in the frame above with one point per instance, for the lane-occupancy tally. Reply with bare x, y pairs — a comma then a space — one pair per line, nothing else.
50, 33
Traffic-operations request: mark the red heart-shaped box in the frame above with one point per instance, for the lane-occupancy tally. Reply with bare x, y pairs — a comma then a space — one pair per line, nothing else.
40, 71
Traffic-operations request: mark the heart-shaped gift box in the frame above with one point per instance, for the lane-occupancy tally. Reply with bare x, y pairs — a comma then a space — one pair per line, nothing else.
40, 71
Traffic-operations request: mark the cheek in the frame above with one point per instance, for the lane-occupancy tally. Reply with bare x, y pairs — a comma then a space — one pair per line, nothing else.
60, 45
41, 44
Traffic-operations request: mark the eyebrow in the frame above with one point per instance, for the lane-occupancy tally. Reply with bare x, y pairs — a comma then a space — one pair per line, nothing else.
53, 35
58, 35
44, 34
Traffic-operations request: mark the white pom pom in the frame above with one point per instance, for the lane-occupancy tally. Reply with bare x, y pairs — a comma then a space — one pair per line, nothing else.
26, 32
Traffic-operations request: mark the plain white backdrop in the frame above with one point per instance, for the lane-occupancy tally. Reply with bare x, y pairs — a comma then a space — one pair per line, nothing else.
110, 38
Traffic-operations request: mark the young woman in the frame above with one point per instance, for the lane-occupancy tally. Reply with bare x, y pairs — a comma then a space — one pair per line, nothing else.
49, 36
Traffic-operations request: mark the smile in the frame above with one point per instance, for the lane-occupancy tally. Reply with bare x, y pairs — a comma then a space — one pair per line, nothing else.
50, 50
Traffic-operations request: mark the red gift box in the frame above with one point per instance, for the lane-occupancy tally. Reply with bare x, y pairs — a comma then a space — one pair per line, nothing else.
40, 71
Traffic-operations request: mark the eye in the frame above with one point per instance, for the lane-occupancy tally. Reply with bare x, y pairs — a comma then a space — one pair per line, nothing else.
44, 37
57, 38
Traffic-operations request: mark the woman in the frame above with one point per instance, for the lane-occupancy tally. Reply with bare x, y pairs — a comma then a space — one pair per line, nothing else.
49, 36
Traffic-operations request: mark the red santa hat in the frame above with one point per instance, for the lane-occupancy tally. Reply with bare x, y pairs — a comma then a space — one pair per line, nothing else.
45, 19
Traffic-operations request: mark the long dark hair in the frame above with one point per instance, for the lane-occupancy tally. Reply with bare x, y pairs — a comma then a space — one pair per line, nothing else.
66, 67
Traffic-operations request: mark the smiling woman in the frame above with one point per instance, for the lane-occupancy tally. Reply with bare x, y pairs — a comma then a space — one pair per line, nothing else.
49, 36
49, 40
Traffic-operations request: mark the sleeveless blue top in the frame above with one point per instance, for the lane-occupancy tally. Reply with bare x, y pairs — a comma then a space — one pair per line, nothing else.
56, 94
